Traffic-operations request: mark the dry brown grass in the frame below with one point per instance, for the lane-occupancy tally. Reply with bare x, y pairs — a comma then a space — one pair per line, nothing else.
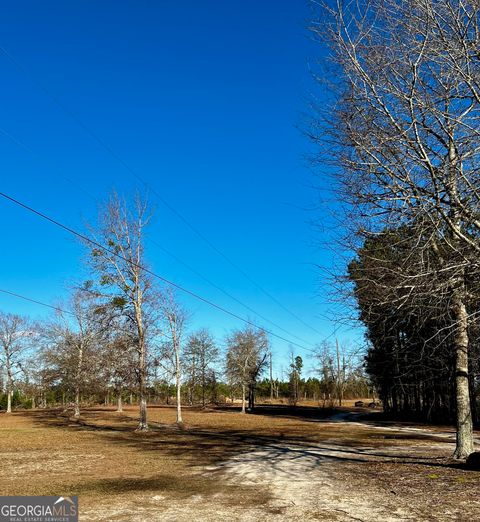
101, 456
102, 459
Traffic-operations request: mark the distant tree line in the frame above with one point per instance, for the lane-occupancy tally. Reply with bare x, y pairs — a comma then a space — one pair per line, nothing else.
68, 362
122, 338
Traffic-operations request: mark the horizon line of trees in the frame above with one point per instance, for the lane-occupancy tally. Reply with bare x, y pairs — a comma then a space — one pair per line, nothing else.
121, 335
54, 363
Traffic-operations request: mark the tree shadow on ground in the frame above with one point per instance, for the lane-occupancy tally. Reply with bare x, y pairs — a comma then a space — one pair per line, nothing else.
215, 446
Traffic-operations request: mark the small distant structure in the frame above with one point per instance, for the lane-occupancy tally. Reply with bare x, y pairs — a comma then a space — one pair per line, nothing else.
373, 404
359, 404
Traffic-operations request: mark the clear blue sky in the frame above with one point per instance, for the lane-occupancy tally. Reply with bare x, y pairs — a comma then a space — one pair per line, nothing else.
203, 100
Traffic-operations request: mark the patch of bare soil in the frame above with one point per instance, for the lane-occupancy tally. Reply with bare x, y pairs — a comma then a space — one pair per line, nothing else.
402, 474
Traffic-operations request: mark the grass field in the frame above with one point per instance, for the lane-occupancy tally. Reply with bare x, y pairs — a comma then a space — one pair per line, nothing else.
278, 463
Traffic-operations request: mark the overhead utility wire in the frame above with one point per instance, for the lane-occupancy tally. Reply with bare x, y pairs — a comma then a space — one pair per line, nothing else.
83, 237
41, 303
163, 249
19, 296
225, 292
153, 190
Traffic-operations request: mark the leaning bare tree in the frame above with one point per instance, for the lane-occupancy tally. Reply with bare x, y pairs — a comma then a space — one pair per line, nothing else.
403, 131
122, 280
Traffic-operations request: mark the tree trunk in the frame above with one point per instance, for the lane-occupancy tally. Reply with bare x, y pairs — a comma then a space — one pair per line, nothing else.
119, 401
77, 402
251, 397
339, 376
78, 377
9, 382
179, 404
142, 376
190, 394
271, 377
463, 409
243, 398
178, 383
9, 401
142, 424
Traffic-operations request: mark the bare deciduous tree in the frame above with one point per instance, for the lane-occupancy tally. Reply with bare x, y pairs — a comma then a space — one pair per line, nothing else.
122, 280
326, 372
118, 358
336, 365
247, 352
72, 344
200, 356
15, 333
404, 129
175, 318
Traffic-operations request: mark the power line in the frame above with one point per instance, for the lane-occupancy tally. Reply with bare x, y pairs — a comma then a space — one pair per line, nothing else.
170, 207
58, 309
163, 249
83, 237
19, 296
225, 292
41, 303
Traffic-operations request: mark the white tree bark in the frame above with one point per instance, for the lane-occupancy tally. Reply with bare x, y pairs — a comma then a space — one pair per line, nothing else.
119, 401
243, 399
179, 394
78, 379
464, 444
9, 401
